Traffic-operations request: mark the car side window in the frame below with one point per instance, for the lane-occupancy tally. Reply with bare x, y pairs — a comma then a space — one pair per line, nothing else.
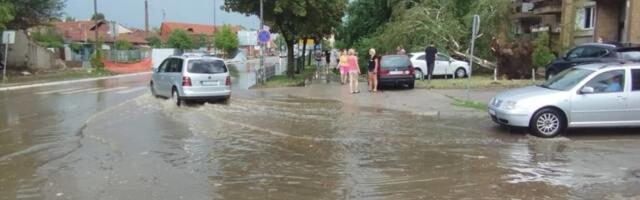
635, 79
178, 65
163, 66
169, 65
576, 53
422, 57
442, 58
594, 52
608, 82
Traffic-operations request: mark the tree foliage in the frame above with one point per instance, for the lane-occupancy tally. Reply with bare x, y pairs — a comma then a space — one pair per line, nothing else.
98, 16
180, 40
154, 41
294, 19
123, 45
364, 18
226, 40
23, 14
542, 54
48, 38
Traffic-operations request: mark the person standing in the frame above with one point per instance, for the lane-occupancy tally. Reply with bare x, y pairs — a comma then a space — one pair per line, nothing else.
354, 71
400, 51
318, 58
430, 56
327, 57
373, 68
343, 66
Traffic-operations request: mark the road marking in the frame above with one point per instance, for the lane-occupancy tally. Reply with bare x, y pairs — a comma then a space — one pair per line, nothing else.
109, 90
132, 90
79, 91
71, 81
56, 91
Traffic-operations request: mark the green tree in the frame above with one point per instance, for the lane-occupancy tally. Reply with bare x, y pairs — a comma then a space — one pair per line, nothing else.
123, 45
180, 40
542, 54
203, 41
48, 38
154, 41
98, 16
294, 19
7, 13
226, 40
69, 19
30, 13
364, 18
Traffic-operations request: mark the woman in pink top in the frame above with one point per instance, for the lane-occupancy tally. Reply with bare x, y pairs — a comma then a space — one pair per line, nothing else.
354, 71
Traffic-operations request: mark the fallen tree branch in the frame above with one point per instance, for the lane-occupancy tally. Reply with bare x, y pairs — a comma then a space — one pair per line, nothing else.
479, 61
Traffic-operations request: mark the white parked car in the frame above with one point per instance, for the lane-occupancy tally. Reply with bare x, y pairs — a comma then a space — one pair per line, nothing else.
595, 95
183, 78
444, 65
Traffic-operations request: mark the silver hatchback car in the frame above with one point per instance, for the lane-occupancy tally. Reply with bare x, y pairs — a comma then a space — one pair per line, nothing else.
596, 95
182, 78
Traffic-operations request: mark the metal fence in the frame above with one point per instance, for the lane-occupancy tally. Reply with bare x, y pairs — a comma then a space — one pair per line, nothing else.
126, 55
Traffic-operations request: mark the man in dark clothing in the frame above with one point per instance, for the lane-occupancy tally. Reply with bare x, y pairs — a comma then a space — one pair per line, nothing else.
327, 56
430, 56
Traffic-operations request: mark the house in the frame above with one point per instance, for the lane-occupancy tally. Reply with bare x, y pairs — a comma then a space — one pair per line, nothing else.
193, 30
571, 22
79, 37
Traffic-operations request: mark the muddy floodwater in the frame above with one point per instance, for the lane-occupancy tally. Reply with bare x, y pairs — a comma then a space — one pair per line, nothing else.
278, 147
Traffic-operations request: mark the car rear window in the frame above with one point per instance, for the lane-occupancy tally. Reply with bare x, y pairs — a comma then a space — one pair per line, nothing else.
206, 67
394, 61
631, 55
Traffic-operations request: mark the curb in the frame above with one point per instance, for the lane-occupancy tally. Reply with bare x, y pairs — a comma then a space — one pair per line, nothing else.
70, 81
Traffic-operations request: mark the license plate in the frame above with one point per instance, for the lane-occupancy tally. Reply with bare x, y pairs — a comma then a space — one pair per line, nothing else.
396, 72
492, 112
210, 83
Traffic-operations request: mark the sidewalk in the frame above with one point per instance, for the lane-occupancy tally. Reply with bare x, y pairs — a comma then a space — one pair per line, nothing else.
433, 103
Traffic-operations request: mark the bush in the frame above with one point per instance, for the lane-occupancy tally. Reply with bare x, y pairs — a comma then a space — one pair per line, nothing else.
123, 45
226, 40
542, 54
154, 41
96, 61
48, 38
180, 40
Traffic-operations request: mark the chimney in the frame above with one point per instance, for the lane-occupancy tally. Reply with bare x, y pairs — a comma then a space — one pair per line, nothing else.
146, 16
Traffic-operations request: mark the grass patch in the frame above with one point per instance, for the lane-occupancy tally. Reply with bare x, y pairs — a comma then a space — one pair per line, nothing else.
468, 104
284, 81
60, 75
476, 82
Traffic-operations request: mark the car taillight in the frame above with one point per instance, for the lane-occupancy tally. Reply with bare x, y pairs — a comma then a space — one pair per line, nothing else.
228, 81
410, 71
186, 81
384, 72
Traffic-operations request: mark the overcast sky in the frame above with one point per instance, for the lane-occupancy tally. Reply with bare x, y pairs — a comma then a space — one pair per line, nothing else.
131, 12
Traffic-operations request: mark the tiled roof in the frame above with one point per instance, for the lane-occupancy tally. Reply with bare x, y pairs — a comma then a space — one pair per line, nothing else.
193, 29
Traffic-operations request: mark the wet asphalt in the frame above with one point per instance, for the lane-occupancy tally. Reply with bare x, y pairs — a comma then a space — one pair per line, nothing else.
111, 139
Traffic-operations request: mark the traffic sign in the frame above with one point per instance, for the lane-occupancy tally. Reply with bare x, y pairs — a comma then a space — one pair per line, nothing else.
8, 37
264, 36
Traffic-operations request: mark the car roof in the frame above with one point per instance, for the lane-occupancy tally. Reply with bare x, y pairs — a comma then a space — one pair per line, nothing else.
196, 57
599, 66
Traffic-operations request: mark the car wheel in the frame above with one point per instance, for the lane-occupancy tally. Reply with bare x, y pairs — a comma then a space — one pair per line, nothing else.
419, 74
460, 73
175, 97
547, 123
153, 90
411, 85
550, 74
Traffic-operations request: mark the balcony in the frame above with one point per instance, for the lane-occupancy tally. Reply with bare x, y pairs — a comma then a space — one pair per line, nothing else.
547, 10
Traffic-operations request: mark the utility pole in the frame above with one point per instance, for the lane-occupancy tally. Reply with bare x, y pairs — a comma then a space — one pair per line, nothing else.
214, 13
262, 44
95, 14
146, 16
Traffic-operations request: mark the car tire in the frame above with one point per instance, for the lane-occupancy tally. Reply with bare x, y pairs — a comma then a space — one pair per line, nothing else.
550, 74
419, 74
153, 90
175, 97
547, 123
411, 85
460, 73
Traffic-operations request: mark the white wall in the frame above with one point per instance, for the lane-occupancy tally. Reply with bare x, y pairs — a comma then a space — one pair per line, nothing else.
158, 55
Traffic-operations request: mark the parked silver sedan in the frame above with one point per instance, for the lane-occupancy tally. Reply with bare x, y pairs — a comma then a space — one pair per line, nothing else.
596, 95
182, 78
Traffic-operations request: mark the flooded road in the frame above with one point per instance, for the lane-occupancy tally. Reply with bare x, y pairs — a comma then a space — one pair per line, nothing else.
128, 145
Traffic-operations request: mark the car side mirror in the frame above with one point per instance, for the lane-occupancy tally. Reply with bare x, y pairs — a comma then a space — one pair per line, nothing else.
587, 90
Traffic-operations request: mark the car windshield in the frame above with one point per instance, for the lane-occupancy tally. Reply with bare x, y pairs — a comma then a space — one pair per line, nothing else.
206, 67
394, 61
567, 79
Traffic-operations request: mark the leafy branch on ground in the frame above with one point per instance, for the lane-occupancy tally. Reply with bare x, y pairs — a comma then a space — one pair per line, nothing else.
468, 103
476, 82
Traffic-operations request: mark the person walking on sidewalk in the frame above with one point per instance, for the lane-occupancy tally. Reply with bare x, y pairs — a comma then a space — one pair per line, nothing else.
373, 68
318, 58
430, 56
343, 67
354, 71
327, 57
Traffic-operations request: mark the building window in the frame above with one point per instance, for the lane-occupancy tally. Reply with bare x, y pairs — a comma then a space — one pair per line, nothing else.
586, 18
